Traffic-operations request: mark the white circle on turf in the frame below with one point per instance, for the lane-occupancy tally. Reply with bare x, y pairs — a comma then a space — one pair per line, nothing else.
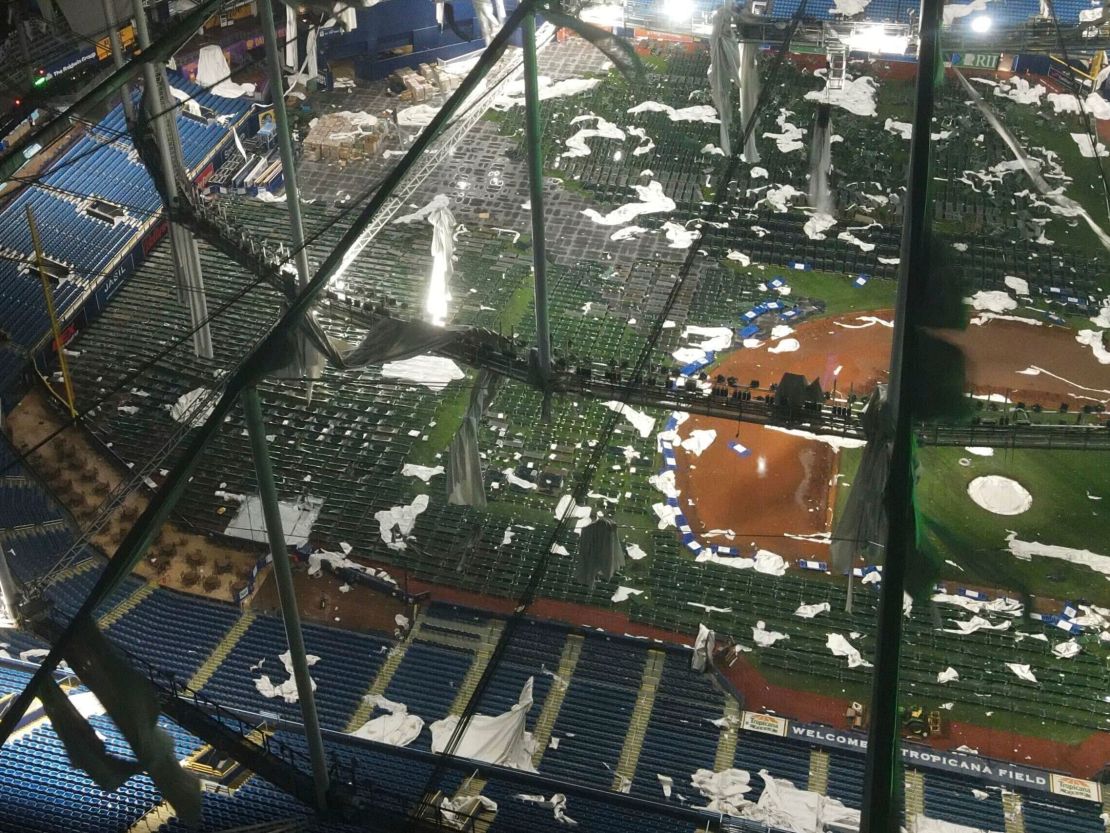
999, 495
964, 461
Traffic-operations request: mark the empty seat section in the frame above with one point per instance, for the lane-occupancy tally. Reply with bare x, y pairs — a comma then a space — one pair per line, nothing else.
949, 798
347, 664
681, 737
12, 680
173, 632
594, 717
41, 791
32, 552
101, 164
21, 503
1045, 813
70, 592
846, 778
782, 758
427, 681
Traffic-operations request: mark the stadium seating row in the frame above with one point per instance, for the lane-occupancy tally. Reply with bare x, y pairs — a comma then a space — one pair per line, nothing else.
591, 724
100, 165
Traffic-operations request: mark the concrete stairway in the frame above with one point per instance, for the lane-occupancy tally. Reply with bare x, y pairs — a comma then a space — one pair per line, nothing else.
223, 648
915, 795
545, 723
154, 819
638, 723
74, 570
470, 787
818, 771
384, 676
487, 641
1012, 812
726, 745
125, 606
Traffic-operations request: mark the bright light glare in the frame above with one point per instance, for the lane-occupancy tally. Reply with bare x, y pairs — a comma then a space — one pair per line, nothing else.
607, 15
874, 39
982, 23
436, 302
678, 9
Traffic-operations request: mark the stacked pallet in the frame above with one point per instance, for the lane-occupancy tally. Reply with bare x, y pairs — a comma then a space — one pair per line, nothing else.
423, 83
343, 137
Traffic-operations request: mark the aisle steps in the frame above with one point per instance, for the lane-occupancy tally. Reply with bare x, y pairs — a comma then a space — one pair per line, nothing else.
154, 819
819, 771
384, 676
126, 606
74, 570
638, 722
726, 746
915, 794
1012, 812
483, 650
223, 648
545, 723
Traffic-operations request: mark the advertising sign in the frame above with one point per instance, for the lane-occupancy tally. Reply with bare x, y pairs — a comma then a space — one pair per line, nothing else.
768, 724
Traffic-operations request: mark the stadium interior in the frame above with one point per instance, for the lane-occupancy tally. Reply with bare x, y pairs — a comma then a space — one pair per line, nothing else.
668, 415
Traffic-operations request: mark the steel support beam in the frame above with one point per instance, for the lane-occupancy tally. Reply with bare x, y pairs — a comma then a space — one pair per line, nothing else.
285, 142
305, 349
117, 58
190, 284
283, 575
534, 132
882, 786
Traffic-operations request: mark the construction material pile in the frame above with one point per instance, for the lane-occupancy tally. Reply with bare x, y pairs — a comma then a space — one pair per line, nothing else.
344, 136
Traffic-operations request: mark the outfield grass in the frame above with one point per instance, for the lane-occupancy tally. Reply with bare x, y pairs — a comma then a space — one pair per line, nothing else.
449, 413
996, 717
1085, 188
813, 684
838, 291
519, 304
847, 463
894, 100
453, 403
1061, 514
840, 294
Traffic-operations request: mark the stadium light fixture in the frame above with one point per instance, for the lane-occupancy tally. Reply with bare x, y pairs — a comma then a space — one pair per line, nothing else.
981, 23
678, 9
877, 40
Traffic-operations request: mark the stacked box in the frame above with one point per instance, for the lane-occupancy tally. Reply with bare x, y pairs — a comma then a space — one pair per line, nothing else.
336, 138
